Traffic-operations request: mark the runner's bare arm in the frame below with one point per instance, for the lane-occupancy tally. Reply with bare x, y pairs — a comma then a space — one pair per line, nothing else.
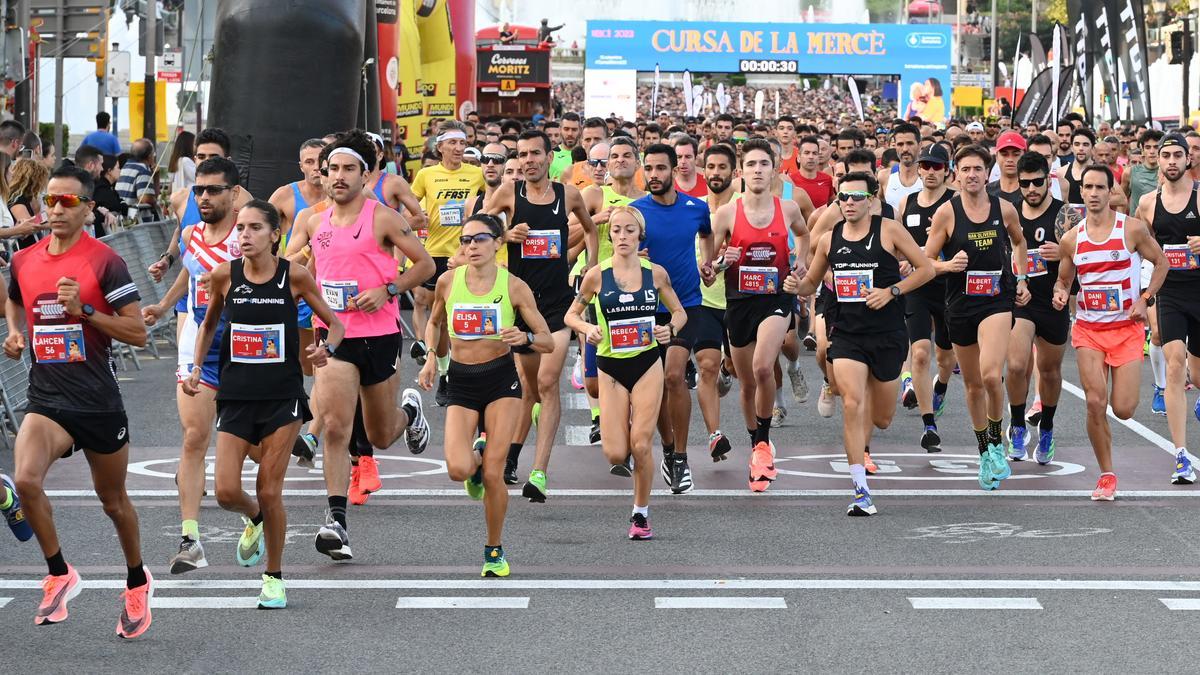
666, 294
807, 285
14, 343
1068, 218
904, 246
722, 228
799, 228
301, 233
941, 226
433, 329
404, 195
1015, 234
283, 202
804, 202
574, 317
397, 232
591, 235
305, 288
1066, 269
501, 201
524, 305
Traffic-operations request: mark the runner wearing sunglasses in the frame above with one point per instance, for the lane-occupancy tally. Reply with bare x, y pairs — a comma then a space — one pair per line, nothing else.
478, 304
925, 306
980, 236
869, 341
207, 244
1037, 324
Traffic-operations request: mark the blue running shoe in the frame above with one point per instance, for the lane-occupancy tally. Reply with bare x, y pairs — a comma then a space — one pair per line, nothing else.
939, 404
986, 481
1196, 410
1184, 473
1158, 406
13, 514
1016, 438
1000, 468
1045, 449
862, 505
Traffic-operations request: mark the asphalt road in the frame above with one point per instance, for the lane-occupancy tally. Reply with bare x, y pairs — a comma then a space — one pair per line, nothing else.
1032, 578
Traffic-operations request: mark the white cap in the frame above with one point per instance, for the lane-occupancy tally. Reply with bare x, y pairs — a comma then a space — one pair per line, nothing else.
975, 126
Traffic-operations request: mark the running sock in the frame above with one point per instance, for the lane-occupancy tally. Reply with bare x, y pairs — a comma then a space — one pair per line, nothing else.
443, 364
136, 576
680, 456
1107, 473
191, 530
337, 510
939, 387
643, 511
668, 449
8, 498
928, 419
763, 433
492, 553
275, 575
858, 474
1016, 415
257, 520
410, 411
1158, 364
779, 398
56, 564
981, 437
360, 446
514, 452
993, 431
1047, 421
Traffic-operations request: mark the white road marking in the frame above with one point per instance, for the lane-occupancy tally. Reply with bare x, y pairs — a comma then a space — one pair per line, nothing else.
578, 434
483, 602
657, 584
974, 603
578, 401
203, 602
1191, 604
4, 602
736, 602
662, 492
1131, 424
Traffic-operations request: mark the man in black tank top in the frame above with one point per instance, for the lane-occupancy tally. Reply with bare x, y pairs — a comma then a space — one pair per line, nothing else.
868, 342
537, 254
925, 307
980, 236
1039, 320
1173, 212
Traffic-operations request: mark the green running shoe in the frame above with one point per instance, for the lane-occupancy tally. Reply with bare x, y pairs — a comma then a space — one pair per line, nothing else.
535, 487
474, 486
537, 412
495, 565
250, 547
273, 595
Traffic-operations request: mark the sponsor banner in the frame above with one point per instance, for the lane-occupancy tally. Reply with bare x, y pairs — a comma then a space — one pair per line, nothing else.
531, 67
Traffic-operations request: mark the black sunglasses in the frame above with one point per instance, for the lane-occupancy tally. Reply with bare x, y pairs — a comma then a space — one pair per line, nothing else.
855, 196
481, 238
598, 162
931, 166
1035, 182
490, 158
199, 190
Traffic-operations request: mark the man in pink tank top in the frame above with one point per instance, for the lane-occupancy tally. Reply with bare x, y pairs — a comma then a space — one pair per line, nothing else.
355, 245
1104, 252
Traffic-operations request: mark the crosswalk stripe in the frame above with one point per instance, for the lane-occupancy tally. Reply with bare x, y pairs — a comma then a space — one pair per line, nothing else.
577, 434
204, 602
731, 602
478, 602
974, 603
1181, 603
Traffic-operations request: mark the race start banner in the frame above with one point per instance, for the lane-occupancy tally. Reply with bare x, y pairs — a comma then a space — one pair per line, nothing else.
919, 54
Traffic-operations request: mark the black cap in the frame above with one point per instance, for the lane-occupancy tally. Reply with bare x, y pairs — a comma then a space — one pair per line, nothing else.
935, 153
1173, 139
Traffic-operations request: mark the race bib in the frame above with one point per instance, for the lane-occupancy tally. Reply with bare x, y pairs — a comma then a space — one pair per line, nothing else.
629, 335
1180, 257
253, 343
983, 283
853, 285
758, 280
472, 322
1101, 298
423, 233
1035, 264
202, 299
543, 244
913, 220
338, 294
59, 344
451, 213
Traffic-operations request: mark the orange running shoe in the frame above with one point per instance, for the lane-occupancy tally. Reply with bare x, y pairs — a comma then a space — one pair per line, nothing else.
868, 464
1106, 488
762, 467
135, 617
56, 591
356, 494
368, 474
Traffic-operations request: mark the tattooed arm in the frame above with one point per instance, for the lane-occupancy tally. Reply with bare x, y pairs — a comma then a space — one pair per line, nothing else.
1068, 219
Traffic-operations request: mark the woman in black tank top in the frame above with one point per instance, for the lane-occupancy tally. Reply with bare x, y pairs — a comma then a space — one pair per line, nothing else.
260, 400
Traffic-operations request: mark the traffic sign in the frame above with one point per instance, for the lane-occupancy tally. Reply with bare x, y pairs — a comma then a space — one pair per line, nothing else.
170, 67
118, 74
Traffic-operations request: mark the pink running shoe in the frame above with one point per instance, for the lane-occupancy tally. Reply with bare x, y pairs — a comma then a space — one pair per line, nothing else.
1106, 488
56, 591
762, 467
639, 528
135, 615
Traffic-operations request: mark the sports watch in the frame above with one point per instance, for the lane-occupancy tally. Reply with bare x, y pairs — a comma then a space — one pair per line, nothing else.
392, 290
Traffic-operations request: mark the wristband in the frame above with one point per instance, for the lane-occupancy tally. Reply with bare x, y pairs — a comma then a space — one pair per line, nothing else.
1023, 277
